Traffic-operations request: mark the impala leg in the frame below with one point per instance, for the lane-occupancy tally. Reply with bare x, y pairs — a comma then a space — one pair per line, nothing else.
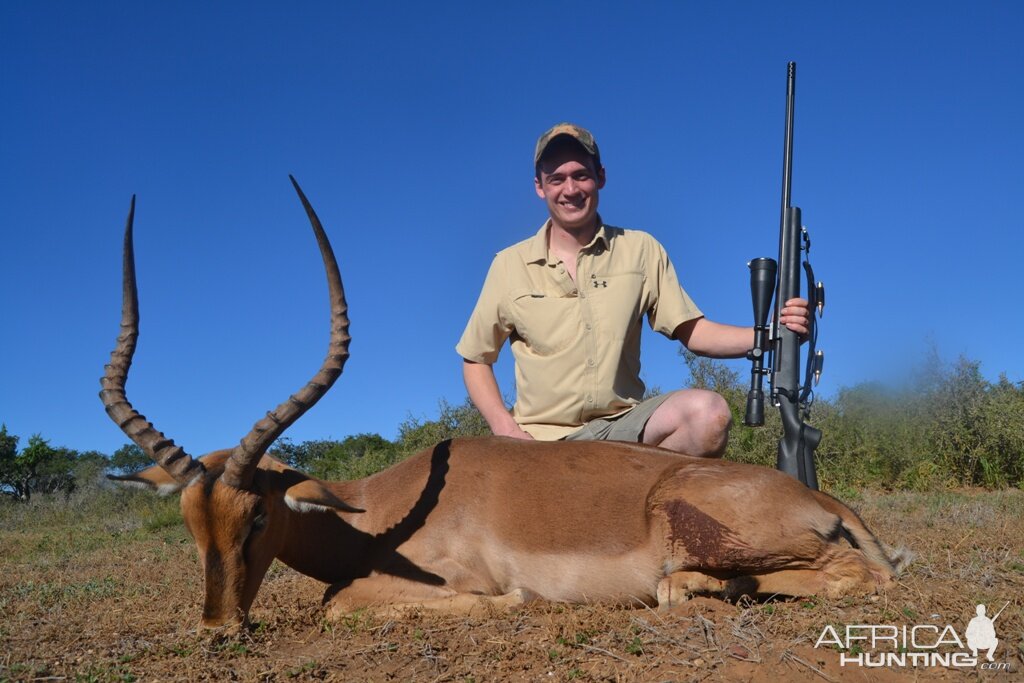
394, 596
844, 574
464, 604
677, 587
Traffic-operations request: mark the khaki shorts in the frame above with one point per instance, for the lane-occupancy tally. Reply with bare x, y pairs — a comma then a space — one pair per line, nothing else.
626, 427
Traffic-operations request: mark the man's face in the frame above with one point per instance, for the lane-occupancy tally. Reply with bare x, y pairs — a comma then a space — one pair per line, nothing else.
569, 185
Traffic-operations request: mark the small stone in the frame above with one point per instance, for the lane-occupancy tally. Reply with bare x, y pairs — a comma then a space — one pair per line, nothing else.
738, 651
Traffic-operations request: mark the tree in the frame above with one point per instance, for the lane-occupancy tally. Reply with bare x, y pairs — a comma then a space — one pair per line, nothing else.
38, 468
9, 465
89, 468
129, 458
454, 421
42, 468
353, 457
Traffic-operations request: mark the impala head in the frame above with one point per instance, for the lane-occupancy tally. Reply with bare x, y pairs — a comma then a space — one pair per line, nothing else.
235, 510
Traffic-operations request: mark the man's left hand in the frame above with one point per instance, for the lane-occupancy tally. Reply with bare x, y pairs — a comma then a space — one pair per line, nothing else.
796, 317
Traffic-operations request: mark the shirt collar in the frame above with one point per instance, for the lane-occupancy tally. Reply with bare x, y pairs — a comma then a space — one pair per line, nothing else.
538, 244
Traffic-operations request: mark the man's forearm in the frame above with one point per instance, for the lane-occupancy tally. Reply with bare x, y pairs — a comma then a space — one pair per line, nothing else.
486, 396
715, 340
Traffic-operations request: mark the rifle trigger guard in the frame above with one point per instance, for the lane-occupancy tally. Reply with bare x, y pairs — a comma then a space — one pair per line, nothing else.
790, 394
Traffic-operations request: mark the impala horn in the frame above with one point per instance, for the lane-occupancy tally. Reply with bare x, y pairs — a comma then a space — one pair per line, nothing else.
240, 467
159, 448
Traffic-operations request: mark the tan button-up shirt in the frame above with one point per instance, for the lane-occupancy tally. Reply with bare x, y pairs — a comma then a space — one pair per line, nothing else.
576, 345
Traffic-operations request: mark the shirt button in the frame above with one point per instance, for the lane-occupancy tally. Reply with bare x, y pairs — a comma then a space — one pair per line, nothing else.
587, 327
590, 399
590, 362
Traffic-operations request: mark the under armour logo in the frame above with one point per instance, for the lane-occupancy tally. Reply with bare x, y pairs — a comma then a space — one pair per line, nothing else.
599, 283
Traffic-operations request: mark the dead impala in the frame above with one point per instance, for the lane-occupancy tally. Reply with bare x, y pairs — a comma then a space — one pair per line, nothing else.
473, 522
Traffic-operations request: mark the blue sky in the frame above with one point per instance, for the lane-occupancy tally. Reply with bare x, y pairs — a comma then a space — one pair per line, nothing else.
411, 128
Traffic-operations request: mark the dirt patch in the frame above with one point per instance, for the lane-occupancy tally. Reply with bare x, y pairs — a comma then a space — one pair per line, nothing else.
95, 601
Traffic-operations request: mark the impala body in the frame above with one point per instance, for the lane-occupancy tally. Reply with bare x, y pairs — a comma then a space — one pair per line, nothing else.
492, 521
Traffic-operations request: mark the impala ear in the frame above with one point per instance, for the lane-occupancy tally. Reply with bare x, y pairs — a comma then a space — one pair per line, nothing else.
154, 478
312, 496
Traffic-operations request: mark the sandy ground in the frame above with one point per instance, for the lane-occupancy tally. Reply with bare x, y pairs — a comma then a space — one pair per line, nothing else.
117, 600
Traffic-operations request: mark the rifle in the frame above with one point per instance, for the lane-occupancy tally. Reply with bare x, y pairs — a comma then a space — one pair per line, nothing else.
776, 351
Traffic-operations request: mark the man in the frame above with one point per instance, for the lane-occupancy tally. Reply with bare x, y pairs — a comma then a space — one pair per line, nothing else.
571, 301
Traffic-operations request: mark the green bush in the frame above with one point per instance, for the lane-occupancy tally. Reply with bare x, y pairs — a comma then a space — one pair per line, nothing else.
351, 458
947, 427
454, 421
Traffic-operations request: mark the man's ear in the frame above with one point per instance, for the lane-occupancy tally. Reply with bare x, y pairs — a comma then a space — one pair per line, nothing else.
154, 478
538, 186
312, 496
600, 178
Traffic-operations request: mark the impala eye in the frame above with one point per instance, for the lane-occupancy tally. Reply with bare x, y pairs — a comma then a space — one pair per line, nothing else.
260, 520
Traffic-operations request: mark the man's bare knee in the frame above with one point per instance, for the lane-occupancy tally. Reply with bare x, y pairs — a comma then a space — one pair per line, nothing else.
695, 422
710, 421
717, 410
718, 421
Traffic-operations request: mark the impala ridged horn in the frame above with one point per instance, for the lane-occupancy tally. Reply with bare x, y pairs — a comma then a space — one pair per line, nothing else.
241, 466
159, 448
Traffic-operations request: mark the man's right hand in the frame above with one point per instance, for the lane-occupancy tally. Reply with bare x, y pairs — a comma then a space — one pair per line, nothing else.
515, 432
485, 395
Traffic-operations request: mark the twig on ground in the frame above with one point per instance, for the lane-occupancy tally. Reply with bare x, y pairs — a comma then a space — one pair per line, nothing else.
384, 628
605, 652
651, 610
961, 541
427, 652
788, 655
663, 637
708, 627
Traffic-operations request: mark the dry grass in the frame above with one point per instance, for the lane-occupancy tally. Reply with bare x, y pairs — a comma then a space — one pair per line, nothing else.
109, 589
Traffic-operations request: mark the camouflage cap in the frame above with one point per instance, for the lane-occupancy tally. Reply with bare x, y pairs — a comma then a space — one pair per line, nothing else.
577, 133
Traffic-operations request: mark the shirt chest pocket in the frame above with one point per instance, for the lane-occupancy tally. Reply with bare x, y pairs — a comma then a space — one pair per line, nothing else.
547, 324
619, 301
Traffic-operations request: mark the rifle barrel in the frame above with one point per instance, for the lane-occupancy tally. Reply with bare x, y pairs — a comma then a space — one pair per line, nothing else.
787, 152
